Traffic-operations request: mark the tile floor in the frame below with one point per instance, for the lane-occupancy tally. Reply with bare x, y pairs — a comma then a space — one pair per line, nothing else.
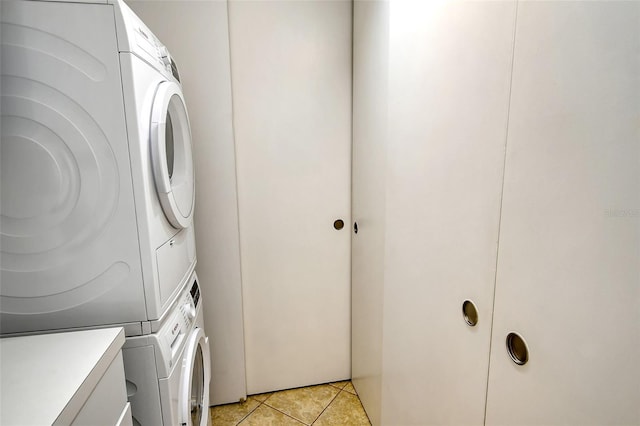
333, 404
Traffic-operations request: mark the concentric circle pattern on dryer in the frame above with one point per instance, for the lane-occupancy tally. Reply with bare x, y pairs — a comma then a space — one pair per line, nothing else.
65, 172
59, 175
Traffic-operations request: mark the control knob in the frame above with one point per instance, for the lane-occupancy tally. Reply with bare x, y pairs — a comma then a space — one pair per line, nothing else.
164, 55
190, 310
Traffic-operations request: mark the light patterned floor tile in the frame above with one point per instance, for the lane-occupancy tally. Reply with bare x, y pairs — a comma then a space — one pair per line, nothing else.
261, 397
304, 404
267, 416
346, 409
349, 388
231, 414
339, 385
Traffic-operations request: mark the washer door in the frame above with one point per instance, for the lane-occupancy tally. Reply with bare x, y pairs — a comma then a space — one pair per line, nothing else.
194, 382
171, 154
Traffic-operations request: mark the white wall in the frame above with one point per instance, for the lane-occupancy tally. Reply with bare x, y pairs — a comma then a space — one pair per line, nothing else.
196, 33
370, 139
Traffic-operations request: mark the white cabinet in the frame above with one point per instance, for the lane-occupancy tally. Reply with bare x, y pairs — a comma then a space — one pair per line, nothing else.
449, 67
105, 404
431, 95
569, 260
543, 98
64, 378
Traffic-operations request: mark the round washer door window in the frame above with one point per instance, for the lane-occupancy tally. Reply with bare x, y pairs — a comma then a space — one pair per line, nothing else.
194, 385
171, 155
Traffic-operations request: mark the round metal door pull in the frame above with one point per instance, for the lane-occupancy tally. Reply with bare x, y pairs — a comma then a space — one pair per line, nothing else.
338, 224
517, 349
470, 313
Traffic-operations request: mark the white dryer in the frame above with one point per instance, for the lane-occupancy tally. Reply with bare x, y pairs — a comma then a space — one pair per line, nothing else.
168, 372
97, 182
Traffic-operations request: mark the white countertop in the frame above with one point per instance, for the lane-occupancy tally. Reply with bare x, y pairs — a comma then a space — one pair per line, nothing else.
45, 379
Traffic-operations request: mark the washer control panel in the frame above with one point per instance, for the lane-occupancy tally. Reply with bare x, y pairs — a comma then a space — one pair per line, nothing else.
174, 332
195, 292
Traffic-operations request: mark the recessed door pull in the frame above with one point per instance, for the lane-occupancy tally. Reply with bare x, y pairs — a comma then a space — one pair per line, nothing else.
469, 313
355, 227
517, 349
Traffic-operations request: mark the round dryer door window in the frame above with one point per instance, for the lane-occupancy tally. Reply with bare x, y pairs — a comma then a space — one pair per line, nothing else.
171, 155
194, 385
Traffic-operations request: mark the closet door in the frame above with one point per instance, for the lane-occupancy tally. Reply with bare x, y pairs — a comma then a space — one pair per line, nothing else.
449, 76
291, 75
568, 278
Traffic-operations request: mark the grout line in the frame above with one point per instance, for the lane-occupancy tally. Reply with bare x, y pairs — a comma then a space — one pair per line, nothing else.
267, 398
291, 417
250, 412
355, 392
282, 412
338, 387
504, 174
328, 405
363, 410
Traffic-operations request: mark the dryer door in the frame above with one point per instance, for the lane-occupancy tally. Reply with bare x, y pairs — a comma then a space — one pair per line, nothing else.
171, 155
194, 382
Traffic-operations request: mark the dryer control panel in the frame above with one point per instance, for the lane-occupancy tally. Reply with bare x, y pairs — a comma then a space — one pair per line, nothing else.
135, 37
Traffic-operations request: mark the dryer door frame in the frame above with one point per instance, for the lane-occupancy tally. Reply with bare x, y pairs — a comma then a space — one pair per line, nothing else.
194, 382
171, 154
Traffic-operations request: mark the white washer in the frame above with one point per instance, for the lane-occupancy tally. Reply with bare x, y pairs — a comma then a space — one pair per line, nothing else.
97, 184
168, 372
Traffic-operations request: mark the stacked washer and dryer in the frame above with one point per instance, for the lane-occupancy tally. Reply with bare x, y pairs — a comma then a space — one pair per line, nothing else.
97, 196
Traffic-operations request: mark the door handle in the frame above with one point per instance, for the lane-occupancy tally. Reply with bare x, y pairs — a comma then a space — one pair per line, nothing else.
517, 348
338, 224
470, 313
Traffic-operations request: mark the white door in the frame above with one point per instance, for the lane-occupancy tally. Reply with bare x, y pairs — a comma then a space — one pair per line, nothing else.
568, 279
171, 154
194, 386
291, 75
449, 79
